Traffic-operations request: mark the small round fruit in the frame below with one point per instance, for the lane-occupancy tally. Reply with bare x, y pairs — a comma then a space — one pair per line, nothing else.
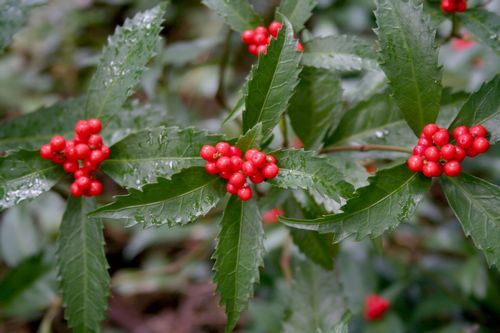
448, 152
272, 216
236, 163
430, 129
95, 141
58, 159
83, 182
270, 171
274, 28
261, 30
70, 166
95, 188
70, 153
46, 152
96, 156
82, 151
415, 163
76, 191
452, 168
478, 131
207, 152
471, 152
431, 169
465, 140
230, 188
299, 47
237, 179
270, 159
225, 174
235, 151
211, 168
259, 159
95, 125
247, 36
261, 39
89, 165
459, 154
481, 145
424, 142
448, 6
223, 148
105, 151
441, 137
83, 130
461, 6
245, 193
460, 130
249, 168
81, 173
432, 154
419, 150
249, 153
57, 143
224, 163
262, 49
252, 49
257, 178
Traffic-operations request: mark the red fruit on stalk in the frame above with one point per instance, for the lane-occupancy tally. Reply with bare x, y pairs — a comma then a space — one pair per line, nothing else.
46, 152
245, 193
248, 36
452, 168
207, 152
57, 143
375, 307
415, 163
441, 137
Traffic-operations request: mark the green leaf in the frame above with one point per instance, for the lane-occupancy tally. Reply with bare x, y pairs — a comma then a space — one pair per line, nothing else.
305, 170
238, 256
315, 246
250, 139
123, 62
391, 197
25, 175
297, 11
82, 267
410, 60
237, 13
343, 325
342, 53
272, 82
484, 25
182, 53
476, 204
371, 83
143, 156
317, 300
316, 106
188, 195
13, 16
21, 278
483, 107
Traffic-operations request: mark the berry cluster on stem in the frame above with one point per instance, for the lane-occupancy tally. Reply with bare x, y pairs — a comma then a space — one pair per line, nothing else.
81, 156
451, 6
375, 307
226, 161
258, 40
434, 155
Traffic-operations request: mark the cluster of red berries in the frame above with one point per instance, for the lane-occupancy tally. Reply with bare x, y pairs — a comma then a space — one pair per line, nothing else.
80, 156
375, 307
226, 161
258, 39
434, 155
451, 6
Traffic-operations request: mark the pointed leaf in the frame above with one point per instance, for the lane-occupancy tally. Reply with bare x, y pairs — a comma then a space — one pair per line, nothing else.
476, 204
410, 60
484, 25
250, 139
237, 13
13, 16
297, 11
483, 107
316, 106
317, 300
142, 157
123, 62
272, 82
315, 246
391, 198
188, 195
25, 175
342, 53
82, 266
238, 256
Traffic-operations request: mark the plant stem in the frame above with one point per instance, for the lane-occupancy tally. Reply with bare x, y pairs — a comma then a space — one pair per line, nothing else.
220, 96
284, 131
362, 148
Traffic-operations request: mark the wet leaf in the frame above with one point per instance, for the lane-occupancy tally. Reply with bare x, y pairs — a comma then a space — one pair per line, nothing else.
239, 14
297, 11
484, 25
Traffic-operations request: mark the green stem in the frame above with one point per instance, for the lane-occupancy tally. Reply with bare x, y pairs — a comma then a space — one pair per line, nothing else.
220, 96
284, 131
363, 148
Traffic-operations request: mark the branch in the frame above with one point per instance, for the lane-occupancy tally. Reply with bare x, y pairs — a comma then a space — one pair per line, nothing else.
363, 148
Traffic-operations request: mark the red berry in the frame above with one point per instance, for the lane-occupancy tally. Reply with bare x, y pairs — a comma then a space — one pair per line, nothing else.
207, 152
441, 137
230, 188
70, 153
257, 178
245, 193
259, 159
83, 129
225, 174
211, 168
272, 216
481, 145
459, 154
249, 153
431, 169
95, 188
58, 159
415, 163
247, 36
223, 148
375, 307
274, 28
252, 49
430, 129
465, 140
76, 191
95, 141
235, 151
448, 152
261, 30
81, 173
105, 152
82, 151
299, 47
478, 131
89, 165
262, 49
95, 125
224, 163
96, 157
249, 168
471, 152
46, 152
424, 142
452, 168
261, 39
236, 163
70, 166
83, 182
432, 154
419, 150
461, 6
448, 6
270, 171
78, 139
460, 130
57, 143
270, 159
237, 179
